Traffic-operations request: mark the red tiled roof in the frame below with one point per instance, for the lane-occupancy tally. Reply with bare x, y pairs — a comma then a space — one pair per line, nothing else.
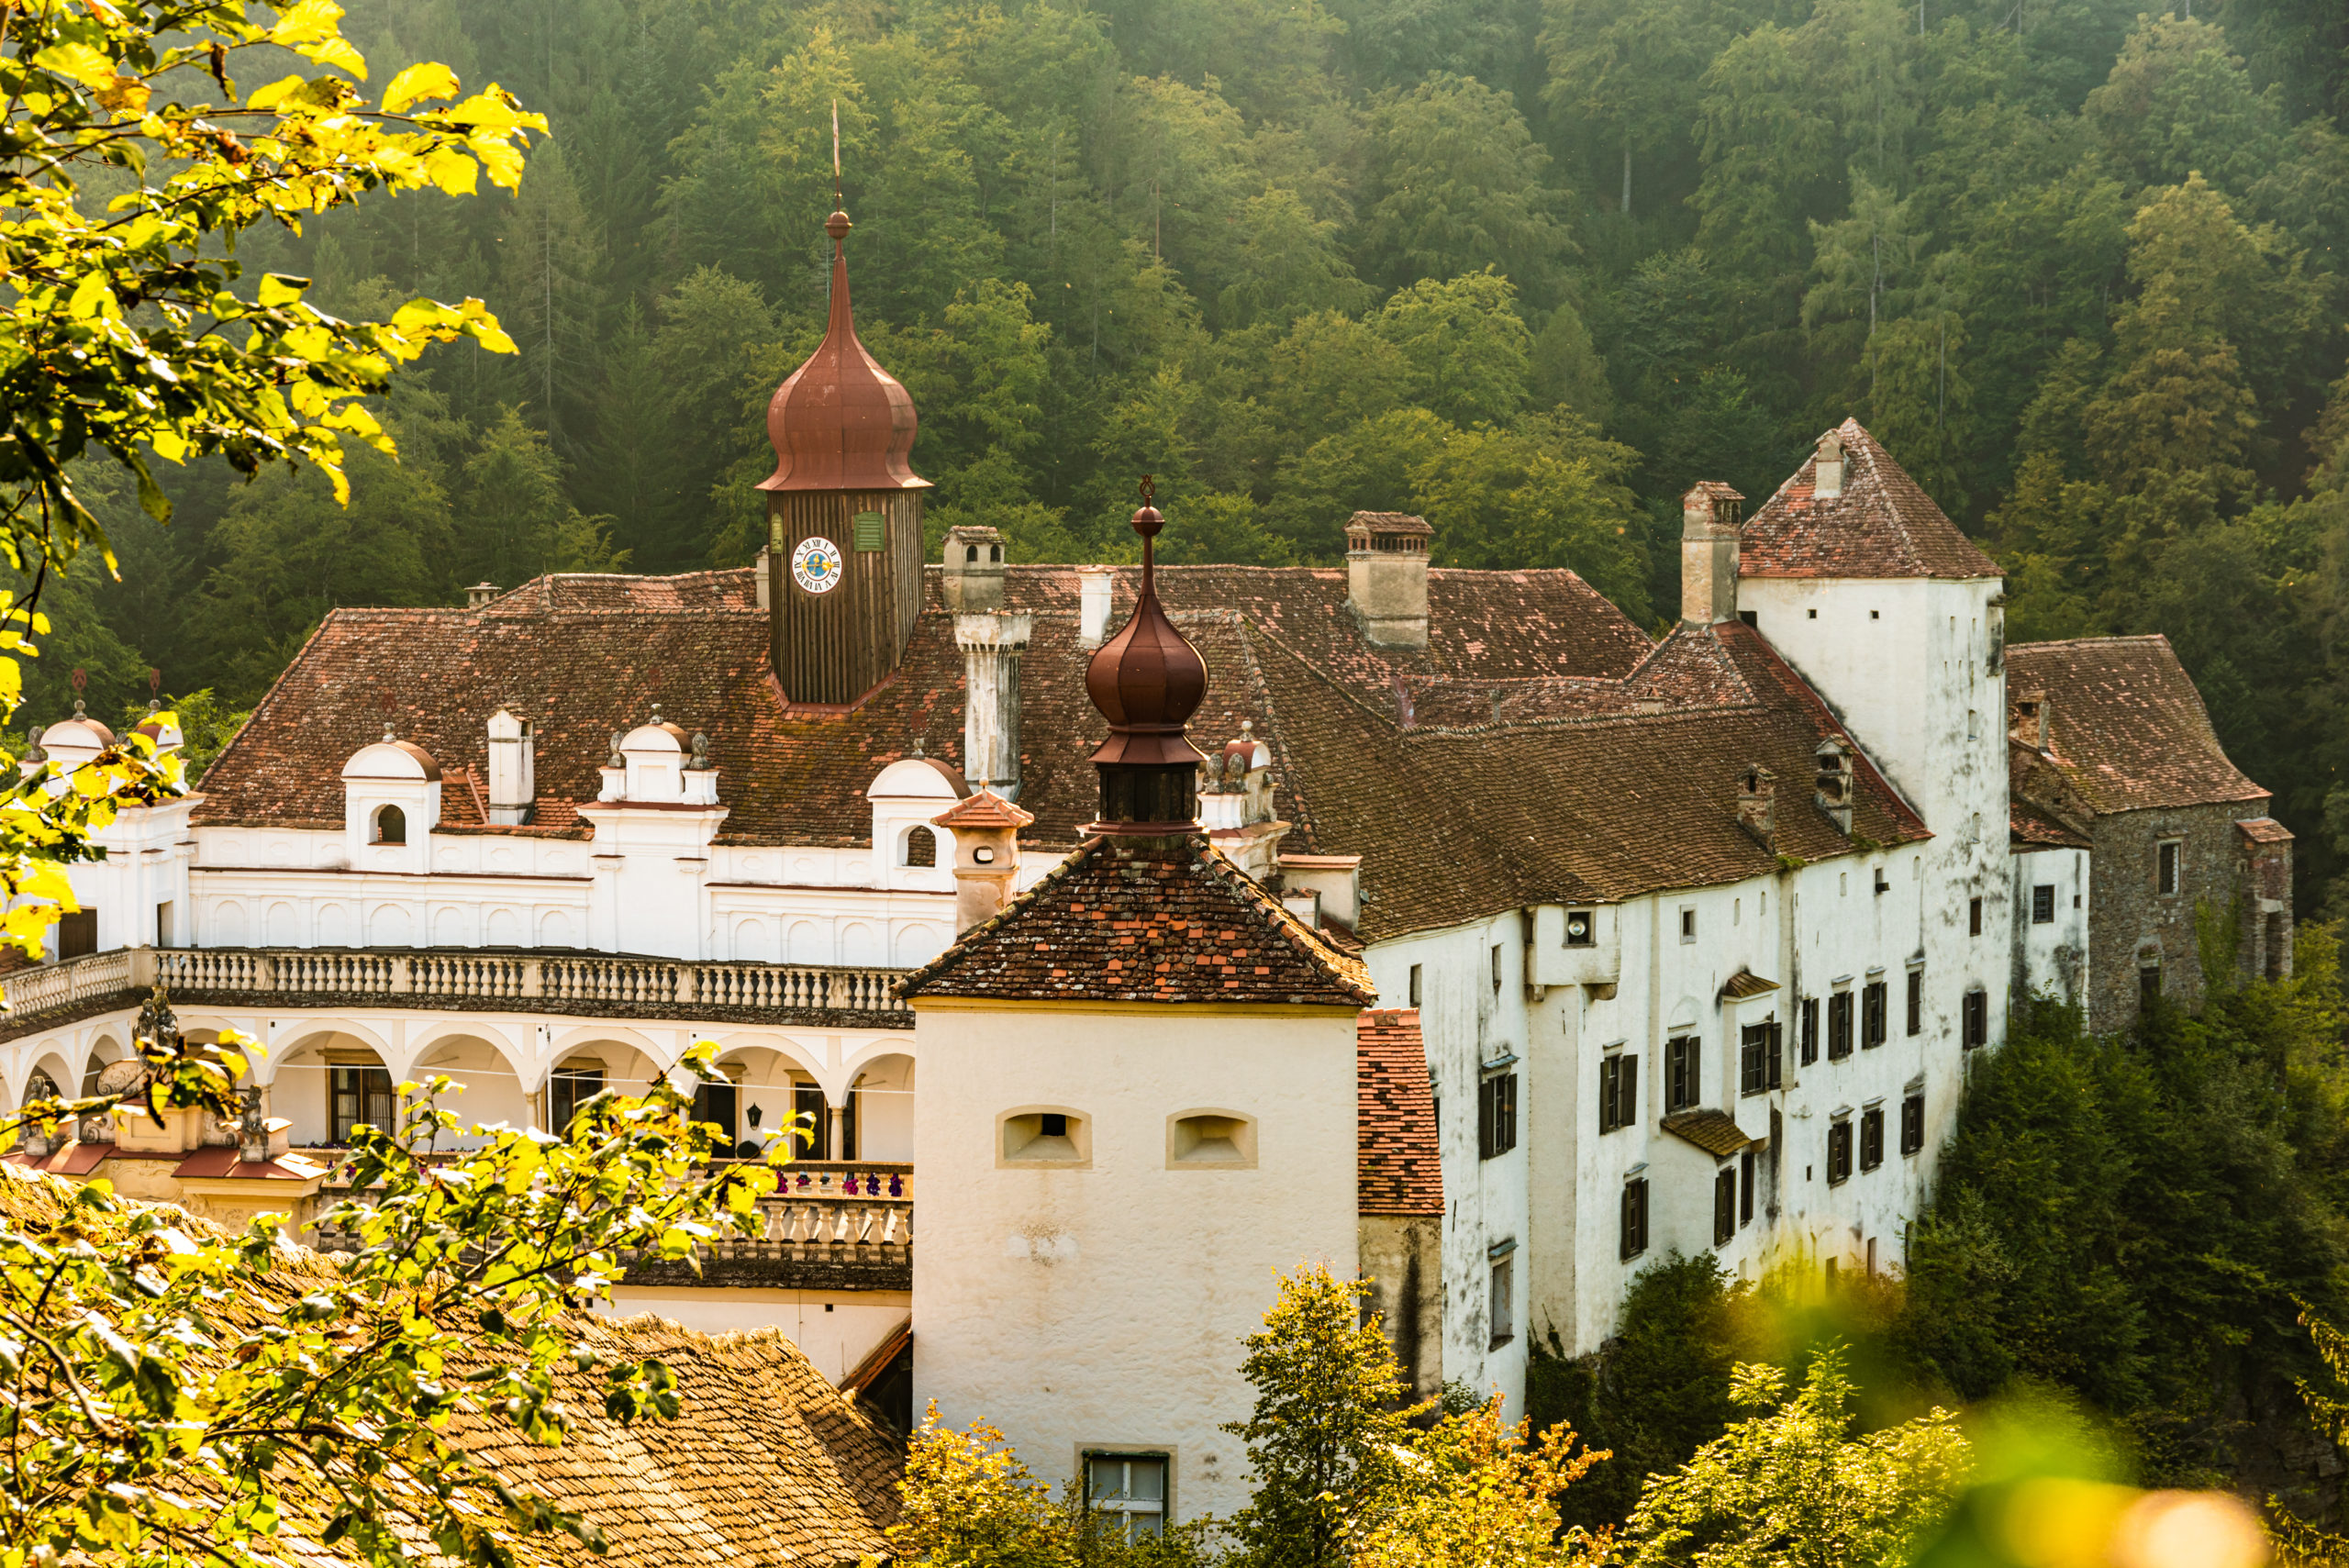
1714, 1132
2264, 831
1399, 1167
1745, 984
1162, 921
2031, 827
1882, 525
985, 810
2126, 729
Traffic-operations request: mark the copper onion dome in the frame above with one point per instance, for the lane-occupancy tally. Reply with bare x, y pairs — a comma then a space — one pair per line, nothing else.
1147, 681
840, 421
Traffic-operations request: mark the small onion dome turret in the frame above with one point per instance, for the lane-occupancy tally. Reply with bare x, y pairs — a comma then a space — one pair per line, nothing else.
1148, 680
841, 422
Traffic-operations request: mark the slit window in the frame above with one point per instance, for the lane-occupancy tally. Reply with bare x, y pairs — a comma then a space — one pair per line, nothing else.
1745, 1188
1974, 917
2167, 856
1415, 985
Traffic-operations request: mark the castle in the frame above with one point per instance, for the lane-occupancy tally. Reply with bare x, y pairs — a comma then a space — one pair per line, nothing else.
1167, 927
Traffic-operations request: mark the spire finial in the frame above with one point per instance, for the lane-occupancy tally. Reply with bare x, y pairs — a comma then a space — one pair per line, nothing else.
388, 736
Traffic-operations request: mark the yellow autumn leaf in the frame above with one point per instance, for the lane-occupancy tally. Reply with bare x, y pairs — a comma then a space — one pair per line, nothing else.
276, 288
78, 61
95, 297
277, 92
168, 445
428, 80
453, 172
501, 157
125, 92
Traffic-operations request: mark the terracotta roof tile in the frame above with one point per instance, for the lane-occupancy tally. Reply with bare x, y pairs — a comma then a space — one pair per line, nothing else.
1745, 984
1400, 1169
2125, 727
984, 809
1714, 1132
2264, 831
1882, 525
1162, 921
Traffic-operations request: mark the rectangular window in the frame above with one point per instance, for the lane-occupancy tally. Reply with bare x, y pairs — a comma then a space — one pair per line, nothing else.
2166, 868
1688, 924
1745, 1188
1618, 1091
2042, 903
163, 924
1810, 1030
1977, 1019
77, 934
1503, 1304
1839, 1152
1753, 1059
1915, 1001
1873, 1006
1682, 1087
357, 1095
1871, 1137
1129, 1491
812, 1136
1496, 1115
1974, 917
1912, 1124
575, 1083
1415, 985
1496, 968
1724, 1207
1635, 1217
717, 1106
1838, 1025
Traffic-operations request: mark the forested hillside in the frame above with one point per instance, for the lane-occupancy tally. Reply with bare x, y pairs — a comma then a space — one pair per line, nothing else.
1528, 267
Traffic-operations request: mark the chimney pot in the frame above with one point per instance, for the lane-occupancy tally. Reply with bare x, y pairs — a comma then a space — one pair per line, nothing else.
974, 570
1710, 515
985, 831
1387, 577
479, 594
1832, 790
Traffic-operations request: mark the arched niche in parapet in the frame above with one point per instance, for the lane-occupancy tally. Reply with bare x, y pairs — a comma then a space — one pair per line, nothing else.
753, 939
919, 941
811, 941
503, 929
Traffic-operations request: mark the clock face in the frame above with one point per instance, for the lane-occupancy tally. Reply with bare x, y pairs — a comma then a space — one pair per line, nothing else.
816, 564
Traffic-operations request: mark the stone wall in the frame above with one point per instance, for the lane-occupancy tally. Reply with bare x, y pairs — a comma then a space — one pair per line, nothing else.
2132, 920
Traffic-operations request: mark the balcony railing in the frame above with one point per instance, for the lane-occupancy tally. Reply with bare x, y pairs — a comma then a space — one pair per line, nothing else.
518, 982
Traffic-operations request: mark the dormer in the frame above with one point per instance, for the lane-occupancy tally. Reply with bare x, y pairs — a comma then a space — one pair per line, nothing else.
391, 803
907, 851
658, 764
76, 741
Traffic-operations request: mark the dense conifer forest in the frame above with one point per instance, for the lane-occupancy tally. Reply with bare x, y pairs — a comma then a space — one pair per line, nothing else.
1528, 267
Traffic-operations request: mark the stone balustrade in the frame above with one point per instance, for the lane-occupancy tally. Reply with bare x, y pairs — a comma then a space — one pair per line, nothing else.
497, 981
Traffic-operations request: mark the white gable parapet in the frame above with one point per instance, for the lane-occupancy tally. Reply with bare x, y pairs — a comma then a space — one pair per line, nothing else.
653, 824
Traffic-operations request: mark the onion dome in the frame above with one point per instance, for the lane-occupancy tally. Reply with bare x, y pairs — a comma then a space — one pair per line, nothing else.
840, 421
1147, 681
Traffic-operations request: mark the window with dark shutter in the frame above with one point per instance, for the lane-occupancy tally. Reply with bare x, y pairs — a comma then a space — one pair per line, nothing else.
2042, 903
1635, 1217
1753, 1060
1724, 1207
1745, 1188
1838, 1025
1912, 1124
1618, 1089
1915, 1001
1810, 1030
77, 933
1839, 1152
1871, 1137
1682, 1088
1977, 1019
1873, 1007
1496, 1115
1778, 1051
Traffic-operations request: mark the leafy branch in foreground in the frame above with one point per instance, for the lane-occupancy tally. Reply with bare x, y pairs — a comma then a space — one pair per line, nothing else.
170, 1392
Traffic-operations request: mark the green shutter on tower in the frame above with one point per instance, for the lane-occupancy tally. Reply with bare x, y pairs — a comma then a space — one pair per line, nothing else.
869, 535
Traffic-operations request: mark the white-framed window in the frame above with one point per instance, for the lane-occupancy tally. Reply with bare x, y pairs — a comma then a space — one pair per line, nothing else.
2168, 855
573, 1083
1129, 1490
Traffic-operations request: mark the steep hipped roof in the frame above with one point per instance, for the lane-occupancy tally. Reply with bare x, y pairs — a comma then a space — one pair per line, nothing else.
585, 656
1882, 525
1160, 920
765, 1462
2126, 729
1400, 1169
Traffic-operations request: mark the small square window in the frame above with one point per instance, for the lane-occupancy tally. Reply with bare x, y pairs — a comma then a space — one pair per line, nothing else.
1582, 928
1129, 1491
2042, 903
1812, 613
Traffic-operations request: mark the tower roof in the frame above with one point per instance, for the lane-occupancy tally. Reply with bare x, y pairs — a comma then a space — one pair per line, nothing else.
1148, 680
840, 421
1880, 524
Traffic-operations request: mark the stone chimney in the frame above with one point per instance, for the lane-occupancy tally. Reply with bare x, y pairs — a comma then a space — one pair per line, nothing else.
1827, 476
986, 828
1096, 586
1833, 791
992, 642
1709, 516
479, 594
1757, 804
512, 767
973, 562
1387, 577
2032, 716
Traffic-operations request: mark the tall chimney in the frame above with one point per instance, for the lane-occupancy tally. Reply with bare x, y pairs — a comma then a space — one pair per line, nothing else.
1827, 474
1709, 516
992, 642
973, 579
479, 594
1095, 587
1387, 577
987, 855
512, 767
1757, 804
